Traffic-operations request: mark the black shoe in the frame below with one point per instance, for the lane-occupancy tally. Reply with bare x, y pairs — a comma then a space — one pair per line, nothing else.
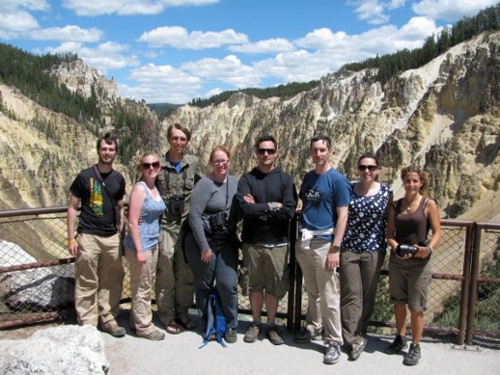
231, 336
397, 345
413, 355
305, 336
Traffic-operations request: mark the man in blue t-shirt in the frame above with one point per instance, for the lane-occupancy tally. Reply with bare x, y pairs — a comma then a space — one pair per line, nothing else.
325, 195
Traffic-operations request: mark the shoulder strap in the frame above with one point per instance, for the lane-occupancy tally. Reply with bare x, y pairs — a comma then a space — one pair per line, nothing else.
101, 180
396, 206
113, 202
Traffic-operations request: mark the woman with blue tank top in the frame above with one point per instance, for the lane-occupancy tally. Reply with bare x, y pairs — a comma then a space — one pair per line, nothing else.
410, 271
141, 244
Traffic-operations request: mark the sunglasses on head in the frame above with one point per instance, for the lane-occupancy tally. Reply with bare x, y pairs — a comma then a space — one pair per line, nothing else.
262, 151
371, 168
155, 165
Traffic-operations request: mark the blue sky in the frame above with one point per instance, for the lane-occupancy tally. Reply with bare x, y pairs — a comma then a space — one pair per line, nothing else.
177, 50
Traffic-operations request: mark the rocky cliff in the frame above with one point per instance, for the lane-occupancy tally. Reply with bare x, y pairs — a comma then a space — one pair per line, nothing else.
444, 116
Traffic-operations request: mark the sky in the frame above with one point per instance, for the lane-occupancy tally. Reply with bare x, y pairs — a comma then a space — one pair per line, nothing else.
171, 51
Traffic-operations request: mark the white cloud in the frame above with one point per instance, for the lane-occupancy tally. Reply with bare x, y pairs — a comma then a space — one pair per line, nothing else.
322, 38
264, 46
128, 7
7, 6
290, 66
451, 9
178, 37
229, 70
162, 83
375, 11
107, 56
17, 22
68, 33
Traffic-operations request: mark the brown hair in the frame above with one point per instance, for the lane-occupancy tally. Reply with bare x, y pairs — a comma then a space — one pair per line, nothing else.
368, 155
178, 127
424, 189
110, 139
220, 148
322, 137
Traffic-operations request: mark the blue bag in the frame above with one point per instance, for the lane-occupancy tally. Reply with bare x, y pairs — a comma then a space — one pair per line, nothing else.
216, 321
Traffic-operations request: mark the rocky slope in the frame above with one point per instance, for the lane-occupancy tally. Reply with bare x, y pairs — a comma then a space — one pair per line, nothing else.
444, 115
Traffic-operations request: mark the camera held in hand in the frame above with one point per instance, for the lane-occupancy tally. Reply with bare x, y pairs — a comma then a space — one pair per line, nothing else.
403, 250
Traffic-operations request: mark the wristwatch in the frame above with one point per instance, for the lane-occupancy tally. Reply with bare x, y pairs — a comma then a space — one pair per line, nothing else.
334, 249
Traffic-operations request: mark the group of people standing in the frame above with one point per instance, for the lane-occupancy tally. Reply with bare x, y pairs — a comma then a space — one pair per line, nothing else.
182, 240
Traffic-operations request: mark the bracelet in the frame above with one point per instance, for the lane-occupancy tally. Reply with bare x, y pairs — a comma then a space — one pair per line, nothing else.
71, 241
429, 250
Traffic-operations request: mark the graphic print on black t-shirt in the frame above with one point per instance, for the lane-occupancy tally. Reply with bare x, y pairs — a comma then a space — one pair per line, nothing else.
96, 200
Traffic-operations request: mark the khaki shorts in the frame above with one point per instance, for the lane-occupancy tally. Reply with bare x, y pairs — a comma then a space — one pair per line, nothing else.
409, 282
267, 269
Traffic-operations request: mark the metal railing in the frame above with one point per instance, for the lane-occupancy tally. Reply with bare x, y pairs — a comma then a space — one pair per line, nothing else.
37, 277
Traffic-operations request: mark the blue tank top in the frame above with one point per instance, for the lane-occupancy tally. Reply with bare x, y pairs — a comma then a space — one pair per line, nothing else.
149, 229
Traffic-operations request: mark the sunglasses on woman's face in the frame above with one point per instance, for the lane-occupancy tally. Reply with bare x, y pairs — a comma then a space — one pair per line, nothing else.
155, 165
371, 168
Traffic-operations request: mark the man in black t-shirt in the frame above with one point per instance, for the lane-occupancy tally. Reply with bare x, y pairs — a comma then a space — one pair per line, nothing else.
267, 198
99, 272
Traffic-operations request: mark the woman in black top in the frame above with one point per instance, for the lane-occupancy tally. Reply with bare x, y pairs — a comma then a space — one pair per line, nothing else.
410, 272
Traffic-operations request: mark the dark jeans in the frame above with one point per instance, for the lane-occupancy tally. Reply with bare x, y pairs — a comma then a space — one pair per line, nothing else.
222, 269
359, 276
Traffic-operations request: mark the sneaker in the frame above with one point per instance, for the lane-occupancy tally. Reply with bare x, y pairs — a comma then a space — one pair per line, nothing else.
113, 329
273, 335
252, 334
397, 345
356, 349
411, 358
230, 337
155, 335
306, 335
332, 354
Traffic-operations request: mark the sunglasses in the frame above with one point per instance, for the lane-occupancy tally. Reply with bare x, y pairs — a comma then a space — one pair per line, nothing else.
155, 165
262, 151
371, 168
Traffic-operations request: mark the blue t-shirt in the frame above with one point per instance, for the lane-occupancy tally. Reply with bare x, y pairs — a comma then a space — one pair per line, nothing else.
321, 194
149, 229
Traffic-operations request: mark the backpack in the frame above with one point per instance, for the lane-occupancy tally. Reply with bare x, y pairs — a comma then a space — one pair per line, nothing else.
216, 321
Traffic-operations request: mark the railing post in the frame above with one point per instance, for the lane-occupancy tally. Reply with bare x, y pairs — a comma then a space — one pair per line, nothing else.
462, 320
290, 318
476, 250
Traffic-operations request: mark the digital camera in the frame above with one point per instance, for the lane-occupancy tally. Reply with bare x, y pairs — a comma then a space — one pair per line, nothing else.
404, 249
217, 221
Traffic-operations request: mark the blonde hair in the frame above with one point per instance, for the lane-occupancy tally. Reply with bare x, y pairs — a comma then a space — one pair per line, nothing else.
138, 166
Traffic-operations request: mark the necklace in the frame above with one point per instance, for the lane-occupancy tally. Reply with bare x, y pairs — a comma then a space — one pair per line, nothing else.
408, 205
